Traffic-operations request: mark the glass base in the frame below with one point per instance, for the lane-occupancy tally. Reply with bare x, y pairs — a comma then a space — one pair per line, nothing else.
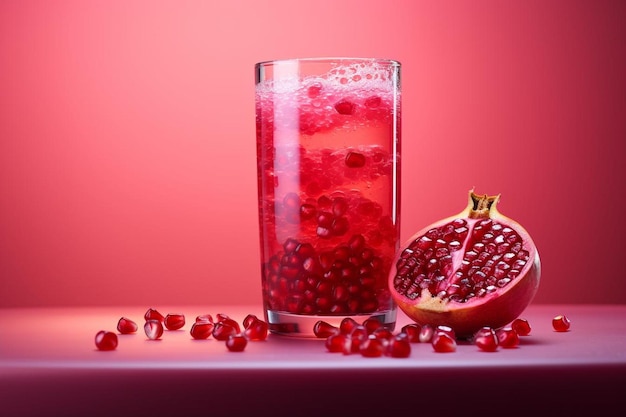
299, 325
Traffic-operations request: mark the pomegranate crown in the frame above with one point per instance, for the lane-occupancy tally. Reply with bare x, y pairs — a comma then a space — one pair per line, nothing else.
481, 206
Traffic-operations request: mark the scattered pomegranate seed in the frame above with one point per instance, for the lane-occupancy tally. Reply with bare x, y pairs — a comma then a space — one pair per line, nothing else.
201, 329
324, 329
521, 327
153, 314
126, 326
383, 333
561, 323
337, 343
358, 334
249, 319
204, 318
412, 331
153, 329
426, 333
507, 337
224, 319
447, 330
106, 340
399, 346
256, 330
347, 325
344, 107
486, 339
222, 330
443, 343
372, 347
371, 325
236, 342
174, 321
373, 102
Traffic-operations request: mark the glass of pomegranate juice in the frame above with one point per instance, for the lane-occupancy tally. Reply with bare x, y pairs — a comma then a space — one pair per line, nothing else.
328, 155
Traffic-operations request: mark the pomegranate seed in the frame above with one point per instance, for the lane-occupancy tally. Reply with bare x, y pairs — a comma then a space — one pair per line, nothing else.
347, 325
412, 331
323, 329
447, 330
153, 329
371, 325
426, 333
257, 330
344, 107
222, 330
201, 329
236, 342
223, 318
521, 327
358, 334
443, 343
373, 101
383, 333
106, 340
126, 326
174, 321
486, 339
355, 160
399, 346
507, 337
561, 323
249, 319
153, 314
204, 317
372, 347
338, 342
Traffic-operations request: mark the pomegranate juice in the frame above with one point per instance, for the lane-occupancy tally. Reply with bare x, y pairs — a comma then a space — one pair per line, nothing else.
328, 147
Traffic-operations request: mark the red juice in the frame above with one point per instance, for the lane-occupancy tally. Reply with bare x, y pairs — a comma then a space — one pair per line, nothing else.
328, 148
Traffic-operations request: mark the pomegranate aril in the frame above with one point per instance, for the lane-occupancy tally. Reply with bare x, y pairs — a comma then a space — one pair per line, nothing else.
174, 321
257, 330
412, 332
447, 330
561, 323
521, 327
249, 319
236, 343
153, 329
507, 337
126, 326
153, 314
338, 343
358, 334
486, 339
399, 346
324, 329
224, 319
347, 325
443, 343
372, 347
371, 325
204, 318
426, 333
201, 329
222, 330
106, 340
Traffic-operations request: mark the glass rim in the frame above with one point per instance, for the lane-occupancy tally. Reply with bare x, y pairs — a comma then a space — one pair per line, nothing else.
321, 60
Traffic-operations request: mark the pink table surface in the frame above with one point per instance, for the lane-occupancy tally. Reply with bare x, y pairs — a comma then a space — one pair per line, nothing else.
49, 366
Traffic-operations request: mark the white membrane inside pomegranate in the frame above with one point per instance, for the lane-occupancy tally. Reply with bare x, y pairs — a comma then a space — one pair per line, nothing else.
476, 269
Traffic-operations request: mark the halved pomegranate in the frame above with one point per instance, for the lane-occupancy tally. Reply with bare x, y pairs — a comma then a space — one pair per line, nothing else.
476, 269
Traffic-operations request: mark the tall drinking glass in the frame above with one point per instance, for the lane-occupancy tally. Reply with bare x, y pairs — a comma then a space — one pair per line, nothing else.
328, 156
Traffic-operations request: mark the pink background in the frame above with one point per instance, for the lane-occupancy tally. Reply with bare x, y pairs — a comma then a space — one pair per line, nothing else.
127, 149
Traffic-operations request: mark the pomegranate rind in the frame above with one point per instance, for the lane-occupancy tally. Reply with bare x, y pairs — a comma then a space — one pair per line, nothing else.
494, 310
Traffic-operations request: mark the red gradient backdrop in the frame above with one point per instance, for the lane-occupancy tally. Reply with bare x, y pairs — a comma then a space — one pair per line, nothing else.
127, 149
